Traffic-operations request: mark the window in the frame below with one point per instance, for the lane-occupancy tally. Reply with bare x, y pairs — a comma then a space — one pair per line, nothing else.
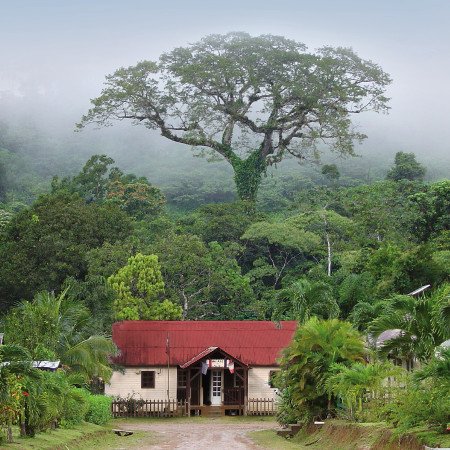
182, 379
148, 379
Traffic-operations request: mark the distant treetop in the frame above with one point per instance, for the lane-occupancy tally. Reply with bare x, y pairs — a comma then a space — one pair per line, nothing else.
251, 100
406, 168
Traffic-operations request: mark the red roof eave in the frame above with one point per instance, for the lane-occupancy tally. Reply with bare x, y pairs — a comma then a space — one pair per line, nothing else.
207, 352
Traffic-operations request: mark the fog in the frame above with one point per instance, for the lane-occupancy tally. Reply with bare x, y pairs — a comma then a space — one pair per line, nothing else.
55, 54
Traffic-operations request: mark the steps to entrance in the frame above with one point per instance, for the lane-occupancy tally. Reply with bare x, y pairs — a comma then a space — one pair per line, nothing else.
213, 411
216, 410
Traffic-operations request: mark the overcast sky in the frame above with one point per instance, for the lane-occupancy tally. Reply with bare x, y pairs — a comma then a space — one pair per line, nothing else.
61, 49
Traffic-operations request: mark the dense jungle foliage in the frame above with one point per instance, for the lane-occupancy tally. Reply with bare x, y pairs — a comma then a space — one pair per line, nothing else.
333, 251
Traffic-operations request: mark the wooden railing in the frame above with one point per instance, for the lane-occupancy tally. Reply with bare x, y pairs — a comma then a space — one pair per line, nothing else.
233, 396
261, 407
149, 408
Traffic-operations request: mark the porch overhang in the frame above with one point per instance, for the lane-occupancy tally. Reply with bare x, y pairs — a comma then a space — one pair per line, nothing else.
207, 352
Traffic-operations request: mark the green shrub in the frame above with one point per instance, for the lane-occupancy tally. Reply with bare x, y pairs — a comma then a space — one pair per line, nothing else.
427, 404
75, 407
99, 411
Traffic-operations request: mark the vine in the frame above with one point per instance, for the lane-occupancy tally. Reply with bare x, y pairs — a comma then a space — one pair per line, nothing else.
247, 174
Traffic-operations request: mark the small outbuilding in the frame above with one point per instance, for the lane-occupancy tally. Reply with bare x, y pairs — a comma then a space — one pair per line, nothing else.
225, 365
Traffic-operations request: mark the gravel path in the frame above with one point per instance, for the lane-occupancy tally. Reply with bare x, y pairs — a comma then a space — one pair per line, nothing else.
210, 434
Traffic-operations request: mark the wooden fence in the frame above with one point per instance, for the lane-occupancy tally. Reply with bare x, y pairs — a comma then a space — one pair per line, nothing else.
261, 407
148, 408
173, 408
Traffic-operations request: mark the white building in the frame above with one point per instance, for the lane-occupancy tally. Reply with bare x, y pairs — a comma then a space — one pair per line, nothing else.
209, 364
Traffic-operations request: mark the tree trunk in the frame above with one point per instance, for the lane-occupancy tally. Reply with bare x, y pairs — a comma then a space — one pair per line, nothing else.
26, 429
247, 175
9, 435
185, 305
329, 254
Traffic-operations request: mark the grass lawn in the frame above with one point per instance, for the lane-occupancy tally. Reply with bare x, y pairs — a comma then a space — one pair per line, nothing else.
269, 439
84, 436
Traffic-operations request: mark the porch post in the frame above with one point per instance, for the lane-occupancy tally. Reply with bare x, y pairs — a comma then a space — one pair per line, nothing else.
188, 392
245, 390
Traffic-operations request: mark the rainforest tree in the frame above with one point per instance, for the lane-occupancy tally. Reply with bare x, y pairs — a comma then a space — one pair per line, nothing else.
250, 100
140, 287
47, 242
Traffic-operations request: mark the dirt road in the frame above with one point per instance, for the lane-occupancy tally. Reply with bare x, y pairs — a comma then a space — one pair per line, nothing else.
207, 434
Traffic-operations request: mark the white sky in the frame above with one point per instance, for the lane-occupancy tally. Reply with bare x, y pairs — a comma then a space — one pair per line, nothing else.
59, 50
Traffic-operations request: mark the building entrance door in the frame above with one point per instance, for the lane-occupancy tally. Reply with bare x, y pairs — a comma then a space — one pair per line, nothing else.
216, 387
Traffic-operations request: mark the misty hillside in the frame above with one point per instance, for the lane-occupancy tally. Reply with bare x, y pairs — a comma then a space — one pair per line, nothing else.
242, 162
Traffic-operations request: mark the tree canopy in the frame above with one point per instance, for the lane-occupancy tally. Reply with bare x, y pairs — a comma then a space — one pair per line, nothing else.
250, 100
406, 168
47, 242
139, 286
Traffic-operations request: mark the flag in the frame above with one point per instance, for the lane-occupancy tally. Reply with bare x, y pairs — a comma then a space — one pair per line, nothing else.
231, 365
167, 346
204, 367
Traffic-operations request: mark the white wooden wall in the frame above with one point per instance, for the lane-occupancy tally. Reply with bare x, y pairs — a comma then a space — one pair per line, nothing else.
258, 383
124, 384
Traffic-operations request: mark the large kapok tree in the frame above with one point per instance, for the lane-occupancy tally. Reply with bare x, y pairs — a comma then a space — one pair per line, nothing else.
250, 100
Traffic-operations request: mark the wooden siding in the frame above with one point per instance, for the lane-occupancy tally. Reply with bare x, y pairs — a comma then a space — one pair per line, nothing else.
128, 383
258, 383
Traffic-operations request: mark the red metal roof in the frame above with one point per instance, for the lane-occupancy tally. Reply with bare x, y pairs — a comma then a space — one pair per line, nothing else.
255, 343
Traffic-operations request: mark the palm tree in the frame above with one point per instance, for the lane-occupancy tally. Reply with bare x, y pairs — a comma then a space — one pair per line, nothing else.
15, 364
306, 363
421, 323
352, 383
438, 368
57, 327
90, 357
303, 299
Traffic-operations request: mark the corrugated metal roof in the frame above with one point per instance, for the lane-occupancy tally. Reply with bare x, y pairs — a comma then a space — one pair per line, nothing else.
53, 365
420, 290
256, 343
387, 336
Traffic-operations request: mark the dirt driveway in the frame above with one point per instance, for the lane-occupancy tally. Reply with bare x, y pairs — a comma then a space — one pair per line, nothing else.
214, 433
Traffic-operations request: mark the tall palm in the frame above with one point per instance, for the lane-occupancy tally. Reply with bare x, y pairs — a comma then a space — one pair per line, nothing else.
422, 324
15, 369
90, 357
306, 363
303, 299
57, 327
438, 368
14, 360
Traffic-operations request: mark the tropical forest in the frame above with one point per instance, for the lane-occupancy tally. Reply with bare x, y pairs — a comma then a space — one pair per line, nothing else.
226, 179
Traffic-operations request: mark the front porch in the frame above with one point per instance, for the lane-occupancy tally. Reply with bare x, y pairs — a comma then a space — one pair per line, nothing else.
213, 383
